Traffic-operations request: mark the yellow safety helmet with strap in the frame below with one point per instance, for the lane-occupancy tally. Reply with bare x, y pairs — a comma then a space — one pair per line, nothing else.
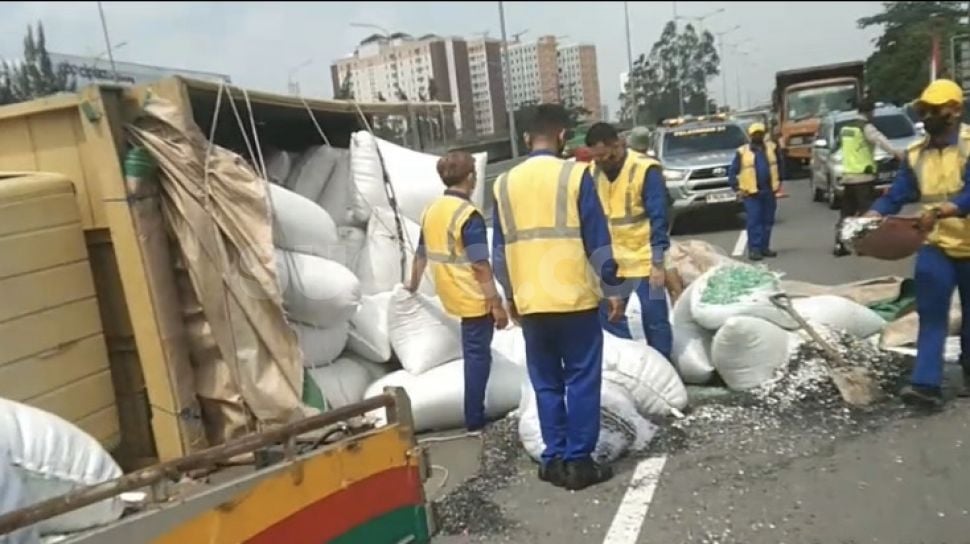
538, 205
459, 291
940, 92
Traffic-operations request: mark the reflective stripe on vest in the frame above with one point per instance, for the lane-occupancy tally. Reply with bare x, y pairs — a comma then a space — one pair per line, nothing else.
452, 257
857, 155
560, 230
747, 172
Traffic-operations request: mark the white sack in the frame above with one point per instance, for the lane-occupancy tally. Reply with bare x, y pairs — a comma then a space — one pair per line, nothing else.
323, 175
422, 335
278, 166
312, 171
379, 265
691, 351
840, 313
649, 378
438, 396
368, 329
413, 175
352, 240
756, 303
747, 351
316, 291
375, 371
301, 225
342, 382
53, 457
321, 346
509, 343
622, 429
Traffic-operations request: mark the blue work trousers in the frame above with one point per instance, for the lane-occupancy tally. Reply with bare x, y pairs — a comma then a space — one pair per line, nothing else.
760, 211
936, 276
655, 316
476, 348
564, 356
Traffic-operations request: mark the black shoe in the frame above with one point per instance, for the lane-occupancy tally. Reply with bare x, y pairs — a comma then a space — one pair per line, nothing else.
553, 472
927, 398
755, 256
584, 473
964, 390
771, 254
841, 251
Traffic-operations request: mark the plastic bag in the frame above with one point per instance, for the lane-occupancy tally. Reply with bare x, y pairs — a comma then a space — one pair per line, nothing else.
747, 351
732, 290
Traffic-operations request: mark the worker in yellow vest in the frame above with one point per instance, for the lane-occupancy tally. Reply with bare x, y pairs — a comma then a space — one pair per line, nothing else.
454, 240
634, 196
935, 173
756, 176
551, 240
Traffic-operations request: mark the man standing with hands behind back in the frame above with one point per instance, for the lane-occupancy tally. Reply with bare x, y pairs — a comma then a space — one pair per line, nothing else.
549, 228
453, 238
756, 176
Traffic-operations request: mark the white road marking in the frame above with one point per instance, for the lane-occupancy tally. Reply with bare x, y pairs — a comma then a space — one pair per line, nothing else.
741, 244
628, 521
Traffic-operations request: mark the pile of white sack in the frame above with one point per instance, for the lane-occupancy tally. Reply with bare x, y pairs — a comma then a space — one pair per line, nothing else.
341, 253
726, 322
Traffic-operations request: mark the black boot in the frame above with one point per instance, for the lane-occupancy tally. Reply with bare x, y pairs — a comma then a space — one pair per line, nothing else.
770, 253
964, 390
840, 250
553, 472
584, 473
926, 398
755, 256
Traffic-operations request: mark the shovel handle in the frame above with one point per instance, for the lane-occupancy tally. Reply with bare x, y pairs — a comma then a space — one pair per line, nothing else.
783, 301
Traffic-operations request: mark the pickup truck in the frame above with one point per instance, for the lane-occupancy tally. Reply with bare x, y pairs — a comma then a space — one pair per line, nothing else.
805, 95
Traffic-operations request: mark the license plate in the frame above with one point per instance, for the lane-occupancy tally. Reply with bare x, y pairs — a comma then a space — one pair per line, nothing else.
715, 198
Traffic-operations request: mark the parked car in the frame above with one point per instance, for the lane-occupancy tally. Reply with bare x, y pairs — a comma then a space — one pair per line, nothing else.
826, 162
696, 155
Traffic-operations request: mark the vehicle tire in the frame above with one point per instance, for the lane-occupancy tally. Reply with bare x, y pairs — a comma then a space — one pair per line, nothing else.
817, 194
832, 197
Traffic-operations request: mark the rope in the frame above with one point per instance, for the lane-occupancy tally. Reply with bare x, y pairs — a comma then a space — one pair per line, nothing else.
315, 123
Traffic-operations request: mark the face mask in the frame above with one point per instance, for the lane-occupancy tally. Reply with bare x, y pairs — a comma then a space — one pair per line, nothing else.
936, 125
758, 140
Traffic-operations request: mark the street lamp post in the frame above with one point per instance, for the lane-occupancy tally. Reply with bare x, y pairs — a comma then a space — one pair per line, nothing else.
629, 47
513, 133
292, 84
721, 51
699, 19
107, 41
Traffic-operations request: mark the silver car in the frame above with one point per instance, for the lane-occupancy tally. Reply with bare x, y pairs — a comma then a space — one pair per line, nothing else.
826, 162
695, 157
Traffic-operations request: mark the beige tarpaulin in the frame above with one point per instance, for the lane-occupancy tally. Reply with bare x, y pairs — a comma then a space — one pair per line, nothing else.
221, 222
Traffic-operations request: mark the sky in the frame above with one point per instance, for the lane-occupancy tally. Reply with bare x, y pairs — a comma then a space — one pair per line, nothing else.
259, 44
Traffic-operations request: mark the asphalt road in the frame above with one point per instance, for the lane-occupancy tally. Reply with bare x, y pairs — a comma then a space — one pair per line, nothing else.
890, 476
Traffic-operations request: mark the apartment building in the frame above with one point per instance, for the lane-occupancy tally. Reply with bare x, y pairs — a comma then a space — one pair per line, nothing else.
533, 72
579, 82
400, 67
488, 93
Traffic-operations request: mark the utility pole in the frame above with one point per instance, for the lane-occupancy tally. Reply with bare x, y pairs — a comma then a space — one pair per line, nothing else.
107, 42
629, 47
720, 47
509, 107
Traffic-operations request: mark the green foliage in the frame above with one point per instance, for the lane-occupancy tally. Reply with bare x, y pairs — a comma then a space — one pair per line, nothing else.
899, 68
35, 75
681, 61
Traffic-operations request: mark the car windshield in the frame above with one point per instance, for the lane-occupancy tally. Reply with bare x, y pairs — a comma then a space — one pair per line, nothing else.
816, 102
893, 126
703, 140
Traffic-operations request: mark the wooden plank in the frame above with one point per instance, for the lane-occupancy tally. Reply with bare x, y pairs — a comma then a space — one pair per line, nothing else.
107, 281
56, 147
101, 144
80, 398
38, 375
46, 331
155, 318
16, 146
38, 213
40, 105
103, 426
29, 293
61, 245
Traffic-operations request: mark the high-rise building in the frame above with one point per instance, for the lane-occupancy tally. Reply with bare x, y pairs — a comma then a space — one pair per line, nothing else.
488, 93
533, 72
579, 82
402, 68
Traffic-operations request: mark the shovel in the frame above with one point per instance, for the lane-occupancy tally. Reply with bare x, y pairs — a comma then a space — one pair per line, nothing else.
855, 384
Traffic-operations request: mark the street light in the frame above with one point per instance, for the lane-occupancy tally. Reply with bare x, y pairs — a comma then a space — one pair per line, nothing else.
720, 47
513, 133
115, 47
699, 19
291, 83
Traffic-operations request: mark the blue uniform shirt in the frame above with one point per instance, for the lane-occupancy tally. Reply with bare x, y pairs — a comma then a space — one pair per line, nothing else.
594, 230
905, 190
762, 168
473, 236
655, 203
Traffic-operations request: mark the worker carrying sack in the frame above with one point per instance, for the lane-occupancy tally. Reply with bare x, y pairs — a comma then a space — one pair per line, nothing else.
731, 290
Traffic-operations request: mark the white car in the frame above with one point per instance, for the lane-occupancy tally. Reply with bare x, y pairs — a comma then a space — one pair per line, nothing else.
826, 161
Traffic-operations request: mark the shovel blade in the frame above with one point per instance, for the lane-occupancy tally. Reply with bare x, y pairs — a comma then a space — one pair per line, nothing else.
856, 386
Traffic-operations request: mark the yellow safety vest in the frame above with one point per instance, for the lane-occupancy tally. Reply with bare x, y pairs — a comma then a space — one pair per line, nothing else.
939, 173
538, 203
748, 178
459, 291
629, 224
857, 154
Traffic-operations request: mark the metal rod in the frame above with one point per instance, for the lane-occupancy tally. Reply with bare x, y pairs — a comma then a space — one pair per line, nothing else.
510, 106
720, 45
25, 517
629, 47
107, 44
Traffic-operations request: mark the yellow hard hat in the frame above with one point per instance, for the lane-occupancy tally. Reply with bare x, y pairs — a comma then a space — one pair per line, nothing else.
756, 127
941, 91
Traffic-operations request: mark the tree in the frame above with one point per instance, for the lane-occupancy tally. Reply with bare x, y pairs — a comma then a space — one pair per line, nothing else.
679, 64
346, 90
899, 68
34, 76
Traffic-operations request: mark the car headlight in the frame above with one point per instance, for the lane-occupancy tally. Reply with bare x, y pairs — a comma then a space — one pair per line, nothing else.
674, 176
